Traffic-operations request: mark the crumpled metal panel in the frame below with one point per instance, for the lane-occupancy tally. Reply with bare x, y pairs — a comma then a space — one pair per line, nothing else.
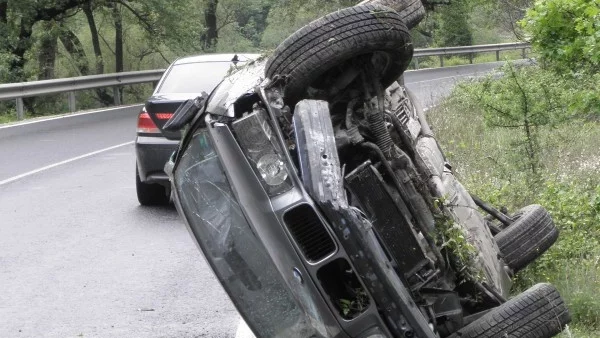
319, 162
240, 82
321, 173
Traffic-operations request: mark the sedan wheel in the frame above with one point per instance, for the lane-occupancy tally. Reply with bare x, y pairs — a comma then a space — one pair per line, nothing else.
150, 193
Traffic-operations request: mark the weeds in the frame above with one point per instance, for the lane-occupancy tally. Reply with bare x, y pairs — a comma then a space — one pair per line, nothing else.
451, 237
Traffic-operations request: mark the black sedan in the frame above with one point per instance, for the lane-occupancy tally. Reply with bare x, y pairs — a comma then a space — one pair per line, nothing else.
185, 79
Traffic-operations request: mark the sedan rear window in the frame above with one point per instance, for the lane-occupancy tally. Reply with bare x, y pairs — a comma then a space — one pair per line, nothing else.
194, 77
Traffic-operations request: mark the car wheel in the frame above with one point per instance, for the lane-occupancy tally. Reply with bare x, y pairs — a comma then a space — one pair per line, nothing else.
150, 193
411, 11
528, 237
316, 59
539, 312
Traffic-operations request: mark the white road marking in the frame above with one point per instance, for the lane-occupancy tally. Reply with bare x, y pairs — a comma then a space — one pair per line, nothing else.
33, 172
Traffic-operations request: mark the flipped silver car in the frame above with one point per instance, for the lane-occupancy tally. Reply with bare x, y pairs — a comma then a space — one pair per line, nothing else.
318, 194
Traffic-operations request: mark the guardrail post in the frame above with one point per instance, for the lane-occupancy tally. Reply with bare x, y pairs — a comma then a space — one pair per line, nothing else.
117, 95
441, 61
20, 112
416, 63
498, 55
471, 58
72, 102
524, 53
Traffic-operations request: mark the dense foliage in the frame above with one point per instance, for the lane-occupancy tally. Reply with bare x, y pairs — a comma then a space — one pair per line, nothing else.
566, 33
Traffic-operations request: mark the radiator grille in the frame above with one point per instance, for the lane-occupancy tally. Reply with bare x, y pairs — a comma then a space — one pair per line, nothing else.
309, 233
403, 112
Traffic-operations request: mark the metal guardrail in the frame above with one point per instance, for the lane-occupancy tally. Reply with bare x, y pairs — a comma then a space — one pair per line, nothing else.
18, 91
70, 85
470, 51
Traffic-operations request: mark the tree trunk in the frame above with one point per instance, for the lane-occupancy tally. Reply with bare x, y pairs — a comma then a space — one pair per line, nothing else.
89, 14
210, 36
74, 47
118, 19
47, 55
17, 63
3, 11
102, 94
118, 38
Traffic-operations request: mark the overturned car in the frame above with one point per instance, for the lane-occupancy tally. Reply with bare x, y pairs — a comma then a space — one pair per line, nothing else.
319, 196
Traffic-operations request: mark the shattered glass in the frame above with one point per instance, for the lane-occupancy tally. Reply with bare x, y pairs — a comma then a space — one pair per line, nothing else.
238, 259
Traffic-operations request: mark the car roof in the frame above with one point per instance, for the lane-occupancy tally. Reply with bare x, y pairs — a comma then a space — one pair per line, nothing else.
216, 58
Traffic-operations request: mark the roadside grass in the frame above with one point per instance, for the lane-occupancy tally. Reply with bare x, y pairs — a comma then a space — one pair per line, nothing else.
8, 117
568, 185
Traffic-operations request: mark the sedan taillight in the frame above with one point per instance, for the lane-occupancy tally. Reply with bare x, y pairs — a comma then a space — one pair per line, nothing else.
163, 116
146, 125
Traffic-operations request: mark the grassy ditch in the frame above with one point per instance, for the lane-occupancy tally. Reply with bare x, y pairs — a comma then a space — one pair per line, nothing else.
490, 161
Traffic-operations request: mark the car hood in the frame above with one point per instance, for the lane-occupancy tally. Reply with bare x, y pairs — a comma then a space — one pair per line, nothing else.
241, 82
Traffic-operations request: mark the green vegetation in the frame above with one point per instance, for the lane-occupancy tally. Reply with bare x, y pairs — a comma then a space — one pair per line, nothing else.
63, 38
452, 240
453, 27
566, 33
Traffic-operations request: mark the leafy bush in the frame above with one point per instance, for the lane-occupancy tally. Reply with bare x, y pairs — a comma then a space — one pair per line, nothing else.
521, 99
565, 32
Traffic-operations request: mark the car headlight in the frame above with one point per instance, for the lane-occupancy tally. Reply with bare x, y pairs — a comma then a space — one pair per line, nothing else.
272, 169
259, 143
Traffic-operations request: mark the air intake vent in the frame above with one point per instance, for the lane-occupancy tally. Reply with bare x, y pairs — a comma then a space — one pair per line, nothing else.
309, 233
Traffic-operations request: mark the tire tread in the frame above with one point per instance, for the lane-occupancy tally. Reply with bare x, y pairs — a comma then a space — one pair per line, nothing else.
539, 312
528, 237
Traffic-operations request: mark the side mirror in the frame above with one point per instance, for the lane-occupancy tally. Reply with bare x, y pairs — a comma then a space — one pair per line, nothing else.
185, 113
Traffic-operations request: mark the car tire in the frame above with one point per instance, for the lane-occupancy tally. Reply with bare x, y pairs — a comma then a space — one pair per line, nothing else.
528, 237
411, 11
539, 312
328, 45
150, 194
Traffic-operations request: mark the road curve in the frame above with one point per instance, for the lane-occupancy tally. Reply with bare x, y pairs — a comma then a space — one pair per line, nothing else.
80, 258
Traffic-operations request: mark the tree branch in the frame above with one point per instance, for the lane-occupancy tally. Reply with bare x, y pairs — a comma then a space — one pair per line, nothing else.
143, 21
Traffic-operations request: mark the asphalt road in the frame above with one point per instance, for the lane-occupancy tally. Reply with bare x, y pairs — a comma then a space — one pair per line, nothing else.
431, 85
80, 258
